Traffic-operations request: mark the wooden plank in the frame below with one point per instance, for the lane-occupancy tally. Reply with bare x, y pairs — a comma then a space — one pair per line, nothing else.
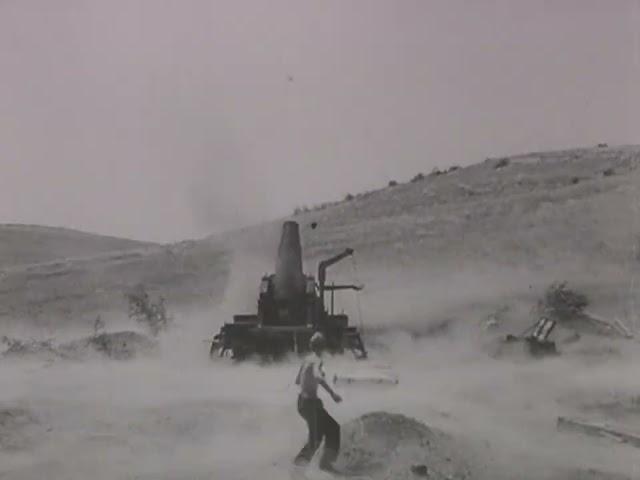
601, 322
596, 430
623, 328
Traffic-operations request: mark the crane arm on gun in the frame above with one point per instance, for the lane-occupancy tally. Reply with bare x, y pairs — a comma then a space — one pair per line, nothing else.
344, 287
323, 265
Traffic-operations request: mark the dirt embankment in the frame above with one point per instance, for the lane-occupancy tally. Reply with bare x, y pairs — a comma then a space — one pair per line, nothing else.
385, 445
116, 345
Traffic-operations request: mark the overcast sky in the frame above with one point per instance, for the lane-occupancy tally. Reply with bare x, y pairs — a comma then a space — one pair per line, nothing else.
166, 120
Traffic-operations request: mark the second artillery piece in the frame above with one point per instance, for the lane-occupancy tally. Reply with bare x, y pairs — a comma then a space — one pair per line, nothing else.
291, 307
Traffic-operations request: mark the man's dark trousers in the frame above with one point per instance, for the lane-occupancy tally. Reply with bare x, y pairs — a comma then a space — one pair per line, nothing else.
321, 425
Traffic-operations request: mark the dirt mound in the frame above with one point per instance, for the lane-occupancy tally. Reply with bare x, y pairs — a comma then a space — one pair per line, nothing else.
117, 345
386, 445
593, 474
122, 345
17, 427
14, 347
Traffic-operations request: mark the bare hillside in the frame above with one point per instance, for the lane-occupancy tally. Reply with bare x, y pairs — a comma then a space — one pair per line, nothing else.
73, 291
439, 256
529, 210
26, 244
571, 211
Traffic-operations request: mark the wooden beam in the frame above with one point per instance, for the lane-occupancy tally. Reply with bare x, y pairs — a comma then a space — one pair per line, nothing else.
596, 430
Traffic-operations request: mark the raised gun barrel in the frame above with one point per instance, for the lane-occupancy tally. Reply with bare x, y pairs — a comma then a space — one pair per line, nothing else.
289, 280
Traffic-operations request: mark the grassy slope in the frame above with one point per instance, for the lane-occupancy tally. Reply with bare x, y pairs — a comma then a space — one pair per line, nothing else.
27, 244
537, 210
74, 291
542, 212
464, 240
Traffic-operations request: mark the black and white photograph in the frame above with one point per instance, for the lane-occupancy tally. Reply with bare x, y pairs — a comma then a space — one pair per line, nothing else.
319, 239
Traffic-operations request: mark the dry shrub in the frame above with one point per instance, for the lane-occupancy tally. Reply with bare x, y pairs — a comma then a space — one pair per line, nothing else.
501, 163
561, 303
14, 346
143, 310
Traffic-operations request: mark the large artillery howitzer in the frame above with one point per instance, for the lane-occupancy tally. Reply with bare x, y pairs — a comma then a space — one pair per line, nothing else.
291, 307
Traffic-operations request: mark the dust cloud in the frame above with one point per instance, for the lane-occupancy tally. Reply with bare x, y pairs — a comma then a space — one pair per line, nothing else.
178, 415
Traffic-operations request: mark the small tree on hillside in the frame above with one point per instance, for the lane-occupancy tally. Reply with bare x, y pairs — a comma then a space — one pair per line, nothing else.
141, 309
501, 163
98, 326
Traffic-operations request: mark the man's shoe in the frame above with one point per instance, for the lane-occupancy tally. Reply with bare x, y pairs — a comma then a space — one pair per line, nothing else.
300, 462
327, 467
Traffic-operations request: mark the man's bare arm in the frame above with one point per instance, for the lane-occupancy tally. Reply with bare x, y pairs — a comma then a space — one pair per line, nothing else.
336, 398
299, 375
